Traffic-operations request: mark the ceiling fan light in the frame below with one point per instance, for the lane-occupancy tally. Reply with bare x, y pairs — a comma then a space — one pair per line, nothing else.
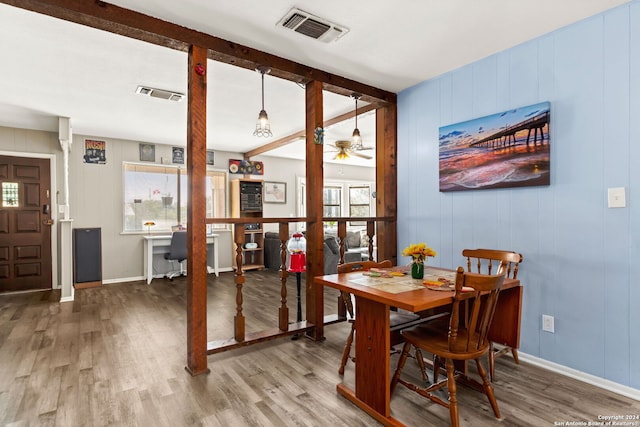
342, 155
342, 150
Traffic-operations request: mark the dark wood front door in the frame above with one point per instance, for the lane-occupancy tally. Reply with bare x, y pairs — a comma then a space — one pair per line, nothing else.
25, 224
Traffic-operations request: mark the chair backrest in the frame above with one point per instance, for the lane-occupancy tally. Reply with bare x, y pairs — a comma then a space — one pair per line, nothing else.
358, 266
484, 261
178, 247
477, 311
362, 265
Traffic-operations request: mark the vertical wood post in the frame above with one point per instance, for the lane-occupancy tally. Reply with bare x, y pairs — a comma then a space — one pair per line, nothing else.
387, 181
196, 211
315, 182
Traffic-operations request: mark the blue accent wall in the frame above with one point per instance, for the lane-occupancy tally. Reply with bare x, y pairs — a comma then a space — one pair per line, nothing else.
581, 258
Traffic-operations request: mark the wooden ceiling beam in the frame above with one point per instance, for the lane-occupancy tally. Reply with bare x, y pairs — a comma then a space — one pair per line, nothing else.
125, 22
280, 142
289, 139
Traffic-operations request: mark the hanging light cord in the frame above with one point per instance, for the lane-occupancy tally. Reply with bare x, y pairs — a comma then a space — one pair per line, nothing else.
262, 72
356, 112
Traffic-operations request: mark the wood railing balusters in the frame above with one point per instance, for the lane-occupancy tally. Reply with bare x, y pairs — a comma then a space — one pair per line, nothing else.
371, 231
283, 234
239, 322
342, 235
241, 338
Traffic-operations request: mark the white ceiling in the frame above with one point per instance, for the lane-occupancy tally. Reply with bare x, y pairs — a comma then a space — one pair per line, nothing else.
52, 68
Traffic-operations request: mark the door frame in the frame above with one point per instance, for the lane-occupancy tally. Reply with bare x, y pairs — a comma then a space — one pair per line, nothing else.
55, 280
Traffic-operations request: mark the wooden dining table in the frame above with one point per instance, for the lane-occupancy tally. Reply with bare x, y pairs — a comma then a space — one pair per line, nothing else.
374, 296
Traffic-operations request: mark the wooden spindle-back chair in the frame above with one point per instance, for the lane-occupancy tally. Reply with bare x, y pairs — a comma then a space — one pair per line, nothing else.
484, 261
456, 340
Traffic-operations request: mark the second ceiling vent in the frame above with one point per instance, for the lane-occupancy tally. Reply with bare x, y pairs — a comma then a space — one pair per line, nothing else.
312, 26
160, 93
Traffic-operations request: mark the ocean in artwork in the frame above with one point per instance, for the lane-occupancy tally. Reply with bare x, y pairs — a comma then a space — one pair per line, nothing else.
504, 150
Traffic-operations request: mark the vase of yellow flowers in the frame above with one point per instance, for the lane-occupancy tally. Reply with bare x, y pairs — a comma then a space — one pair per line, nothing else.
418, 253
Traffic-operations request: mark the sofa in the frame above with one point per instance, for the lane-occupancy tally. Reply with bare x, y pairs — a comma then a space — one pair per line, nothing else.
357, 242
331, 253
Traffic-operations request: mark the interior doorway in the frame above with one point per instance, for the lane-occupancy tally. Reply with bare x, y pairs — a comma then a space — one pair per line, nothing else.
25, 224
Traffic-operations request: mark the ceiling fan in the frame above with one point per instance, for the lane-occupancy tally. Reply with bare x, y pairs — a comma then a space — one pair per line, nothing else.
344, 150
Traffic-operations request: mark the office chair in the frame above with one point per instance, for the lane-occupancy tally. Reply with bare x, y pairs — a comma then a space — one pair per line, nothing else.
177, 252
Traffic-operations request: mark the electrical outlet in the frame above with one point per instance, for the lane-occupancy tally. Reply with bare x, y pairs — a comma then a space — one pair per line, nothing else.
548, 323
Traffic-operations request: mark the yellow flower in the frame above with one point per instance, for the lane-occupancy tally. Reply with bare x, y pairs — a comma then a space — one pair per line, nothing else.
418, 251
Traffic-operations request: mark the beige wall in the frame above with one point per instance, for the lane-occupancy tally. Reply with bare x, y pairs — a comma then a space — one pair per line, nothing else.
96, 201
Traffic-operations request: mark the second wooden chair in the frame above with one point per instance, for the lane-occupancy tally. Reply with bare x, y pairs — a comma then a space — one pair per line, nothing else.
458, 340
484, 261
397, 319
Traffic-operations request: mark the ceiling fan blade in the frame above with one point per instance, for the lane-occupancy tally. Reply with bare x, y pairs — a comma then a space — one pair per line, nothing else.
365, 148
364, 156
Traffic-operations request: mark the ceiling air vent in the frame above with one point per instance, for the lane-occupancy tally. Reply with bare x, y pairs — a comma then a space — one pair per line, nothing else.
312, 26
160, 93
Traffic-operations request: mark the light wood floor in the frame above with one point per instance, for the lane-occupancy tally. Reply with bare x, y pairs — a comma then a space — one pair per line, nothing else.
116, 356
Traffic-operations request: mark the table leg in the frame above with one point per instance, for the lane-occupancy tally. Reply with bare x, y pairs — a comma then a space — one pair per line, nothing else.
372, 393
148, 260
215, 256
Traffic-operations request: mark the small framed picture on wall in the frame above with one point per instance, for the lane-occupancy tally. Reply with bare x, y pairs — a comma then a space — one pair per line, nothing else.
95, 152
275, 192
177, 155
147, 153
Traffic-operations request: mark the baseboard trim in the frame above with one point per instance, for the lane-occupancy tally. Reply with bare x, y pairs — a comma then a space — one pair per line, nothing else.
137, 278
123, 279
582, 376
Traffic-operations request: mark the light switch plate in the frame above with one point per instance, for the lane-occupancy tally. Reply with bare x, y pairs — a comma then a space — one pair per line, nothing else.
616, 197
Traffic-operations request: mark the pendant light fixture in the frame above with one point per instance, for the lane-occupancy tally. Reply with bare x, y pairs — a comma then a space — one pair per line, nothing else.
356, 139
263, 128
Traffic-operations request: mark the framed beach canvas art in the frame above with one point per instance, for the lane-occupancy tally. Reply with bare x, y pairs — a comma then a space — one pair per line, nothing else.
504, 150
